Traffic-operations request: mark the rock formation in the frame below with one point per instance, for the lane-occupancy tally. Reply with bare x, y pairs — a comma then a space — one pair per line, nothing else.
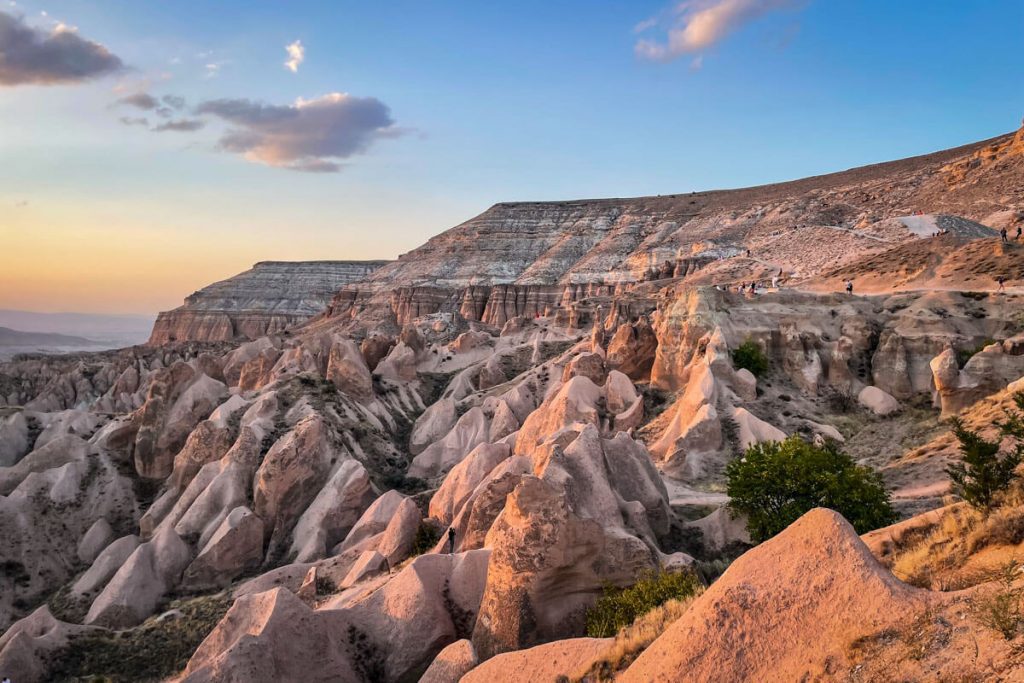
266, 299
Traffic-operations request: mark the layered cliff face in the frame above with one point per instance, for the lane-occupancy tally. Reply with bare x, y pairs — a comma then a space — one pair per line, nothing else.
268, 298
518, 257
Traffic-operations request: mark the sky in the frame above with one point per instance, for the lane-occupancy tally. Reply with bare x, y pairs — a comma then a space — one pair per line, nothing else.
149, 148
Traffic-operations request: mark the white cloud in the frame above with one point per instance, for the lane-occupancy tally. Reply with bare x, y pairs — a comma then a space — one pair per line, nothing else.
699, 24
296, 55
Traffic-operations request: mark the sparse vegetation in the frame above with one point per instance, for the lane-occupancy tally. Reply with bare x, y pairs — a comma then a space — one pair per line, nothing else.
749, 355
427, 537
983, 473
151, 652
620, 607
1002, 607
940, 557
633, 639
775, 483
964, 355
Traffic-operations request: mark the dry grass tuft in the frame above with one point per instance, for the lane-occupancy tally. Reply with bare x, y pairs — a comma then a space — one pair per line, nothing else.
633, 640
941, 559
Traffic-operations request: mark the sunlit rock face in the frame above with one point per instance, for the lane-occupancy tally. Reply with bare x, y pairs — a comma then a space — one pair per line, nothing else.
266, 299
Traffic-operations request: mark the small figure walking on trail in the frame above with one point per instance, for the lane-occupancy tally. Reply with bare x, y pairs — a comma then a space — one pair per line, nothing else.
849, 287
451, 540
1019, 230
1000, 280
1002, 233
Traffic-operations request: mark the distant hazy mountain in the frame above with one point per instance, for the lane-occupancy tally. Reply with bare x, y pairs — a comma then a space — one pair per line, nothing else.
29, 332
9, 337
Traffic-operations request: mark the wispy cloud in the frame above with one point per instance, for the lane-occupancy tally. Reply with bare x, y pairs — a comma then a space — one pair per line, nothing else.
296, 55
310, 135
134, 121
140, 100
696, 25
180, 126
29, 56
21, 204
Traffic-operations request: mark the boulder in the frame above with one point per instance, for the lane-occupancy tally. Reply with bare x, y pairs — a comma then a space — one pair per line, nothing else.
548, 663
753, 430
451, 663
877, 401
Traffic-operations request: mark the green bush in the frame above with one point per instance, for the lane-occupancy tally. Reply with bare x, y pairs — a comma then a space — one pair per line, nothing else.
982, 473
775, 483
750, 356
620, 607
964, 355
427, 537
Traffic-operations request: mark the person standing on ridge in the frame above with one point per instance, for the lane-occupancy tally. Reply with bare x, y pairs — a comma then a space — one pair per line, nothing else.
1002, 234
1000, 280
849, 287
451, 540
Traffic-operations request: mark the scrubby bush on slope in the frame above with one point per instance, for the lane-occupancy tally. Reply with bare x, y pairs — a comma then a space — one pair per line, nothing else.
775, 483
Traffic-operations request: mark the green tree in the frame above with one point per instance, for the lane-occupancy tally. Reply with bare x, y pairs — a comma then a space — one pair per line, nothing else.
983, 471
750, 356
775, 483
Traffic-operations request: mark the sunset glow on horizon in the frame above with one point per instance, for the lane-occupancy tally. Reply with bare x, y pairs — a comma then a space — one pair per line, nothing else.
179, 152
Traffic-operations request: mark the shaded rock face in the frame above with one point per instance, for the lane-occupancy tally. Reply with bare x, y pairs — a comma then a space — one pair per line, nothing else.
270, 297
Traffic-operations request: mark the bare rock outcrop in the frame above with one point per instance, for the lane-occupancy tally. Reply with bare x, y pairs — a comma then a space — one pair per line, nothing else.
270, 297
754, 603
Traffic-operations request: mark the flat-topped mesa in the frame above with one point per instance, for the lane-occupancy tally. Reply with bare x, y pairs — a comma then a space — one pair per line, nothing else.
523, 258
264, 300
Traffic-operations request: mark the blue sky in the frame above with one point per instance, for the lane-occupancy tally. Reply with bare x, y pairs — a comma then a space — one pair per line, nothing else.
488, 102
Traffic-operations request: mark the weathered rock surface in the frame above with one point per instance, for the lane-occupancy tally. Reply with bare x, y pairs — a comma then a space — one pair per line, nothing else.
270, 297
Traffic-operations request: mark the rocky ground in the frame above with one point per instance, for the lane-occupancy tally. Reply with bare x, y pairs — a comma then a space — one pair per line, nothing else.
554, 385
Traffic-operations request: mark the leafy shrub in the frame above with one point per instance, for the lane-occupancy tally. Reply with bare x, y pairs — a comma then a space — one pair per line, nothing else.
750, 356
775, 483
982, 473
620, 607
427, 537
